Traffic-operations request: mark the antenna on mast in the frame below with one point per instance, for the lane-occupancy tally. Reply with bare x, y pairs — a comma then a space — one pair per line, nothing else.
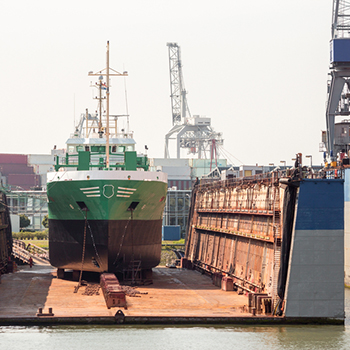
74, 110
107, 73
126, 105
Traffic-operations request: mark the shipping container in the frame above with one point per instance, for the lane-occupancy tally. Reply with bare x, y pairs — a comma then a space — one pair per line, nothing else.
13, 168
8, 158
171, 233
25, 181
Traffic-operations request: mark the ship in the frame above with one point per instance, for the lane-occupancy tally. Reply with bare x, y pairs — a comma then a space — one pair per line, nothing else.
5, 233
105, 207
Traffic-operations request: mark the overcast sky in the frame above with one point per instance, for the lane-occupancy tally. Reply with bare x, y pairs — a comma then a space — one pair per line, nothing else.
257, 68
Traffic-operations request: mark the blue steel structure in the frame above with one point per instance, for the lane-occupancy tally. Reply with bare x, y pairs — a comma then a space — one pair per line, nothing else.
339, 85
315, 282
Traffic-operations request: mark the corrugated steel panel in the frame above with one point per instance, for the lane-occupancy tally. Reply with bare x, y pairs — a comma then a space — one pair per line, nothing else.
26, 181
171, 233
15, 168
13, 158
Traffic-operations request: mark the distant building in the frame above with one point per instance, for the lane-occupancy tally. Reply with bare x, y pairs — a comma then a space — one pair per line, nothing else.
24, 176
33, 204
176, 209
16, 173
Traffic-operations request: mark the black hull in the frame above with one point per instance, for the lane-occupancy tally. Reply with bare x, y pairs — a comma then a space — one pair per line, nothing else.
110, 244
5, 233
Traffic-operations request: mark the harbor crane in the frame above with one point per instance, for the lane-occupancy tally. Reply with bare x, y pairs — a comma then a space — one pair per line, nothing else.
337, 139
193, 133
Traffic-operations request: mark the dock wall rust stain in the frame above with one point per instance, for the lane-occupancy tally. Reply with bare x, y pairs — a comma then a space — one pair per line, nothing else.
235, 230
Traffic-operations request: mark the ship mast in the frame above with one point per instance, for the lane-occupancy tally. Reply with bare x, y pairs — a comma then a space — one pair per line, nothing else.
106, 72
107, 109
100, 132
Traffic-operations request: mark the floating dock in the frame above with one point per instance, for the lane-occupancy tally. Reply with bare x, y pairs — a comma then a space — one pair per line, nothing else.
281, 237
260, 250
177, 296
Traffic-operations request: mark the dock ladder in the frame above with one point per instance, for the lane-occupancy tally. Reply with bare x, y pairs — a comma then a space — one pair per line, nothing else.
133, 272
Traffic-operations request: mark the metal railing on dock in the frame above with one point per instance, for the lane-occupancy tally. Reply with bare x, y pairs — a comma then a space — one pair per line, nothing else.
20, 253
23, 252
38, 252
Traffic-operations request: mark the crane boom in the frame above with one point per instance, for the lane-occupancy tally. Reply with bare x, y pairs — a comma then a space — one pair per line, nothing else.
341, 19
179, 104
193, 134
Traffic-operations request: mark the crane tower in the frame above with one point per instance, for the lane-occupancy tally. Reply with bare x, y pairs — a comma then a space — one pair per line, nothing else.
177, 87
337, 135
194, 134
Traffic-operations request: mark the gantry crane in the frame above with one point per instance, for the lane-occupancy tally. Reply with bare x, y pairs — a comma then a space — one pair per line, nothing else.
192, 133
337, 140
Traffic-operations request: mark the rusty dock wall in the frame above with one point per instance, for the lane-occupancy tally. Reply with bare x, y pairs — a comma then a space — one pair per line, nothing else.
235, 229
248, 229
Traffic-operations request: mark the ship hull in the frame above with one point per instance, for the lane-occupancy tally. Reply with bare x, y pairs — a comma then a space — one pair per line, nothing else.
5, 233
102, 224
113, 246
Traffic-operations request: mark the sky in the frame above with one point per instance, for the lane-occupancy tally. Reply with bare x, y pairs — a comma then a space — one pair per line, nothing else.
258, 69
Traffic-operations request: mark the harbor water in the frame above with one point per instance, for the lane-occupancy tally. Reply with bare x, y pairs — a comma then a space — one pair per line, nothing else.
179, 337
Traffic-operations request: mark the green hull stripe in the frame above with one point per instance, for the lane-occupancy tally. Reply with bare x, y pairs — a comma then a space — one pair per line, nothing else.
106, 199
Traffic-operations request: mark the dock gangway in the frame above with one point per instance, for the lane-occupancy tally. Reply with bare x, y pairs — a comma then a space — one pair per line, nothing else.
23, 252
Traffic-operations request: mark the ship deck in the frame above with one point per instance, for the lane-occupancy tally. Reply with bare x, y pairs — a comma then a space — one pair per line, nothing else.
177, 296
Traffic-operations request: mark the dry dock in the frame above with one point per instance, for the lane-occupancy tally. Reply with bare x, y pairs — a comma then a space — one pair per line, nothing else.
174, 293
177, 296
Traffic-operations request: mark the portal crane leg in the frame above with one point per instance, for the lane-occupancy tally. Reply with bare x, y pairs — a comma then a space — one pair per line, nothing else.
338, 96
336, 88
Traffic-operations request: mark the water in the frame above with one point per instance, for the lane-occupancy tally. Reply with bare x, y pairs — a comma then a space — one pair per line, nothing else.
127, 337
181, 337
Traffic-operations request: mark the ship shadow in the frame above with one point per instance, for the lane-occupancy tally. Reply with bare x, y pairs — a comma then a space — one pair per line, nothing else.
25, 291
178, 278
87, 277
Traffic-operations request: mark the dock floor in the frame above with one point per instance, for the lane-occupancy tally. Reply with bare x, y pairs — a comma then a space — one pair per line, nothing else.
174, 293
